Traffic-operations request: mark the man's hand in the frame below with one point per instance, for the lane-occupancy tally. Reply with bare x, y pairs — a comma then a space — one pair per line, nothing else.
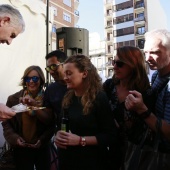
5, 112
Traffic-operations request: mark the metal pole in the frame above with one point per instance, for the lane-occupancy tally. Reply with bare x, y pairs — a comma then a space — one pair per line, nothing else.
47, 38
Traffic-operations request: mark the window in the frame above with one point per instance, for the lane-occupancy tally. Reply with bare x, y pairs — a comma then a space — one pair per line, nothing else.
110, 72
76, 12
54, 28
141, 43
67, 17
140, 15
54, 9
67, 2
110, 61
132, 43
99, 62
141, 30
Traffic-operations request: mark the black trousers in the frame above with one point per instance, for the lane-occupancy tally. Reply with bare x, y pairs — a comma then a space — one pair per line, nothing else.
27, 158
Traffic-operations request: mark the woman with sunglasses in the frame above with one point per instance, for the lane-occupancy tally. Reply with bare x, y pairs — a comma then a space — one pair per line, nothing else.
129, 74
27, 132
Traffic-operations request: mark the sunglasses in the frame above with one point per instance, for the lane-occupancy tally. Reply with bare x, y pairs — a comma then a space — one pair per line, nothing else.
34, 79
118, 63
53, 67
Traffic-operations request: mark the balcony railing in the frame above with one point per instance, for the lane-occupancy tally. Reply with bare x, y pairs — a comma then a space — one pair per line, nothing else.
108, 26
108, 1
140, 32
76, 13
108, 14
122, 20
109, 39
139, 5
141, 18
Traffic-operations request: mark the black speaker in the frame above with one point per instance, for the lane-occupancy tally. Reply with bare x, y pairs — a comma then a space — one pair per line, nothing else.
73, 40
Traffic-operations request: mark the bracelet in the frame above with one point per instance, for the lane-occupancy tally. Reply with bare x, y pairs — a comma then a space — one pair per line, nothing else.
145, 114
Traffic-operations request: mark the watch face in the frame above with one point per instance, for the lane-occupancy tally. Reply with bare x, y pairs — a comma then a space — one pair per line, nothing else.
83, 141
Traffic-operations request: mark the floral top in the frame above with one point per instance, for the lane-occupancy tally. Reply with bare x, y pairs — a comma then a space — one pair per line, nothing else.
130, 125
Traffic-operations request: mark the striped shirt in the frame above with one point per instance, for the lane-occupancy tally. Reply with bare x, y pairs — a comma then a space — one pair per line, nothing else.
161, 86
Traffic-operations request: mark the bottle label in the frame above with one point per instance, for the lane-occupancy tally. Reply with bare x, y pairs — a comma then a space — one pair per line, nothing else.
63, 127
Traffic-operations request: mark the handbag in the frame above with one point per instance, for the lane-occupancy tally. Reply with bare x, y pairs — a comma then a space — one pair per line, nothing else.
145, 157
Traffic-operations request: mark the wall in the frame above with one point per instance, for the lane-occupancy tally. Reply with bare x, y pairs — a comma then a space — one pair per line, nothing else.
159, 17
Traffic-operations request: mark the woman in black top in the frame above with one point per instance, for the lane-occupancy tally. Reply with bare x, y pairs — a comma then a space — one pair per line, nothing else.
91, 127
129, 74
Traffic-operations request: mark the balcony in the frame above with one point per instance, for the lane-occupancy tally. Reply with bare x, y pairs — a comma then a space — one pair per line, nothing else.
138, 19
76, 16
76, 13
109, 40
109, 14
108, 26
108, 2
76, 4
139, 5
138, 33
122, 20
140, 43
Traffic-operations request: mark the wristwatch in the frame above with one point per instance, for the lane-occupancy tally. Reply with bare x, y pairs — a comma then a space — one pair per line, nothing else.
145, 114
82, 141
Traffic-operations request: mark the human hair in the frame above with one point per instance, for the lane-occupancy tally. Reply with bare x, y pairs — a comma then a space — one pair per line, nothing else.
61, 56
133, 57
93, 82
15, 16
162, 34
28, 70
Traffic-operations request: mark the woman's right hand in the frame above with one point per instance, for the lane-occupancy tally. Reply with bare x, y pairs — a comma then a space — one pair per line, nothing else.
28, 101
21, 142
64, 139
58, 140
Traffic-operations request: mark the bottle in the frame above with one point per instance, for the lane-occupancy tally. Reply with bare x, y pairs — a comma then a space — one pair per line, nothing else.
65, 121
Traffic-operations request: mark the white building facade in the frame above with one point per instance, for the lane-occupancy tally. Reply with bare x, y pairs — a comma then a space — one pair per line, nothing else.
126, 22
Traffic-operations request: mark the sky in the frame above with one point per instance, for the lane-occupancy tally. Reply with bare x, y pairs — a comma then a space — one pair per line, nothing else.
91, 16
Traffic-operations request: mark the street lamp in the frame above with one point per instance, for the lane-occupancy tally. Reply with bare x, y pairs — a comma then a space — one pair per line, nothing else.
47, 37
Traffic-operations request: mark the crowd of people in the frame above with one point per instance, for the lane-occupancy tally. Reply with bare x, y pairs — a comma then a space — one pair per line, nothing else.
103, 119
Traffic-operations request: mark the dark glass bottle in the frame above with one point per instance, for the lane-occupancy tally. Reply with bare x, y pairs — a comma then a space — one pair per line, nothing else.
65, 121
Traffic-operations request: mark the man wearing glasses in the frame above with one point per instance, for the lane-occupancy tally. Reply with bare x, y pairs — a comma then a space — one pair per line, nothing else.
55, 91
11, 24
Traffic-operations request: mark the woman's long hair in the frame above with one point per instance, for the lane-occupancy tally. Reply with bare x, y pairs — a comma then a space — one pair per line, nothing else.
135, 59
92, 82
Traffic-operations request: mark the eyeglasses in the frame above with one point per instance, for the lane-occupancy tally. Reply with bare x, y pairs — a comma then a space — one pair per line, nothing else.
118, 63
53, 67
34, 79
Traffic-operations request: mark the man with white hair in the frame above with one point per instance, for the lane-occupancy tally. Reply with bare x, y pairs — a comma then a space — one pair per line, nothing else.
157, 52
11, 24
